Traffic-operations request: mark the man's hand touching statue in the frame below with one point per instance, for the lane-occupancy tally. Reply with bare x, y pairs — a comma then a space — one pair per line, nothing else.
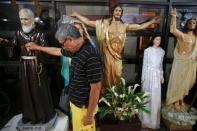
32, 46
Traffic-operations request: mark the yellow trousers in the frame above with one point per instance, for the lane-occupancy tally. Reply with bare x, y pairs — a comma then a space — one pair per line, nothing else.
78, 114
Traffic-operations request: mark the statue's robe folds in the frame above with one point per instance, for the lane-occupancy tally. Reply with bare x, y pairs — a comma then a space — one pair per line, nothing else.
111, 48
183, 75
36, 97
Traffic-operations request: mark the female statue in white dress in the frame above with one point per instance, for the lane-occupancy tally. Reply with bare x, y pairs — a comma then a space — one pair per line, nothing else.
152, 77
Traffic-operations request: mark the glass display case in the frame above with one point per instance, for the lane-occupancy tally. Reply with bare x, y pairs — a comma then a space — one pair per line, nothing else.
92, 10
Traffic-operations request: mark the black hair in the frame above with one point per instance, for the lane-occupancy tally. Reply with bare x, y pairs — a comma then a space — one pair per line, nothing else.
157, 34
66, 30
112, 13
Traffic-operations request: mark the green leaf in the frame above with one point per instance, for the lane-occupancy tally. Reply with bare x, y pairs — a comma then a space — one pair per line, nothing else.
103, 111
124, 98
144, 109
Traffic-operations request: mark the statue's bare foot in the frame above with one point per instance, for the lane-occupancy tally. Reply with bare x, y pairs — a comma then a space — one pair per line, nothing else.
177, 106
182, 103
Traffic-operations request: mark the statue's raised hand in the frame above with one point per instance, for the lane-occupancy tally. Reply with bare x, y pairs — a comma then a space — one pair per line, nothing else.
173, 12
74, 13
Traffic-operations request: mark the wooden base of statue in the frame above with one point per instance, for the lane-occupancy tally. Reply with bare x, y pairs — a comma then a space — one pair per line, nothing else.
182, 120
174, 127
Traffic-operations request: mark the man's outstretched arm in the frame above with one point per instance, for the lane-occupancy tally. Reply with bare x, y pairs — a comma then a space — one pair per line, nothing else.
49, 50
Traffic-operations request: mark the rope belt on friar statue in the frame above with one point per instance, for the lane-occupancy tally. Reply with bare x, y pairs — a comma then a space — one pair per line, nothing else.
31, 65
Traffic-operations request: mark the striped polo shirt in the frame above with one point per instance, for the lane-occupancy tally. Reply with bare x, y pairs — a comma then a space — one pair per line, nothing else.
86, 68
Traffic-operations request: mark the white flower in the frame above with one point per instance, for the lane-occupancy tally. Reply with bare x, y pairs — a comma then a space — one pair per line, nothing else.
136, 111
122, 95
129, 89
124, 114
146, 94
105, 101
123, 81
121, 118
119, 109
115, 94
113, 90
138, 99
135, 86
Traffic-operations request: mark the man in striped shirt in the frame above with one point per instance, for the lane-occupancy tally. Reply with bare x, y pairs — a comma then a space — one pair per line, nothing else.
86, 75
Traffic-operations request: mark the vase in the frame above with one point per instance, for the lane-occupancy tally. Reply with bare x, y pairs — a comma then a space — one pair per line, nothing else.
133, 125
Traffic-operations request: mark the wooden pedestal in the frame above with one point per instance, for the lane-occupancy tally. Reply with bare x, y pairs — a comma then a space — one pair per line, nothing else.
134, 125
174, 127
